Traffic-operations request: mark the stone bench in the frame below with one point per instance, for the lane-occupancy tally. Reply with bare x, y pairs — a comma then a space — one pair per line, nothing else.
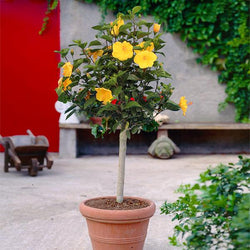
163, 130
68, 133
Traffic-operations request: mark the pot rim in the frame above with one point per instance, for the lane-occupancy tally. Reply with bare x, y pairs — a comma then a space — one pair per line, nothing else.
99, 214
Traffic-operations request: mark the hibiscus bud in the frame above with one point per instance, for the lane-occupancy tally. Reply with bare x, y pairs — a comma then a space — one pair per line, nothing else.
156, 27
88, 75
132, 99
72, 52
114, 101
78, 71
144, 98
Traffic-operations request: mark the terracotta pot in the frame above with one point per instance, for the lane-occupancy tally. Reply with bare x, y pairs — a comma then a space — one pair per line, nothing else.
117, 229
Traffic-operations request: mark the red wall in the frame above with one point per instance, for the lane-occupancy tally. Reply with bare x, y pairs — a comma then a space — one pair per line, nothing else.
29, 72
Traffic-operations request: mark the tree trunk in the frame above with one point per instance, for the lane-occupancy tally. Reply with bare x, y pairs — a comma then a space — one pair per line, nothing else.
121, 169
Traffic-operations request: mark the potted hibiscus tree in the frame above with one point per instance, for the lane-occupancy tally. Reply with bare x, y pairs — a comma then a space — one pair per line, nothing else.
118, 78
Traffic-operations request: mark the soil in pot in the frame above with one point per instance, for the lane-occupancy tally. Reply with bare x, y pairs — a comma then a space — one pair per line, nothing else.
111, 204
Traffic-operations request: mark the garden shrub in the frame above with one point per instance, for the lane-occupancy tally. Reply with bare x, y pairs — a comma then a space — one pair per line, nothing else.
217, 30
214, 212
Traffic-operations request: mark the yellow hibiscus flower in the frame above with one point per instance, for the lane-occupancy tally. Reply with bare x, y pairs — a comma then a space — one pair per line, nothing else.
156, 27
145, 59
67, 69
149, 48
184, 105
122, 51
103, 95
64, 84
95, 54
115, 29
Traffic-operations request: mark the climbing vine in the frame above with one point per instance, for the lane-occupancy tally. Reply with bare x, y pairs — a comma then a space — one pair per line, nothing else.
217, 30
51, 5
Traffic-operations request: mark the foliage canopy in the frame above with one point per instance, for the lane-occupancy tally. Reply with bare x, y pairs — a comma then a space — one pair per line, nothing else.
118, 76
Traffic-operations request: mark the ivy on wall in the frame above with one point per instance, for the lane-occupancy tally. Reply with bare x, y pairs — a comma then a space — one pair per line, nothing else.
51, 5
217, 30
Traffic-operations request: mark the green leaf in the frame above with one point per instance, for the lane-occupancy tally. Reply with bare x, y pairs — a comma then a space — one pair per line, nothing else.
135, 129
107, 38
149, 25
77, 63
117, 91
63, 52
77, 41
150, 127
73, 106
132, 104
128, 134
54, 5
70, 114
107, 107
89, 102
98, 27
133, 77
62, 96
172, 106
97, 131
124, 27
115, 126
141, 34
95, 43
83, 45
136, 9
60, 64
101, 27
162, 73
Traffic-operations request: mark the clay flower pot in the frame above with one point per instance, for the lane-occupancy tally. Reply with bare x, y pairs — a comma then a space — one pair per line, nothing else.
117, 229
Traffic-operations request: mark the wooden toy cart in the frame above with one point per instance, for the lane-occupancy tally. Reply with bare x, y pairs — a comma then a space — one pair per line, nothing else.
26, 152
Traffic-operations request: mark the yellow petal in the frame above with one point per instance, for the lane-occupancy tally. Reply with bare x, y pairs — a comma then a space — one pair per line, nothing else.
67, 69
149, 48
156, 27
122, 51
97, 54
145, 59
60, 82
183, 105
103, 95
115, 29
64, 84
120, 22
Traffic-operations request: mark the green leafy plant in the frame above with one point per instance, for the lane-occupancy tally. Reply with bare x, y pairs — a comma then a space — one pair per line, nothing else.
214, 212
217, 30
118, 77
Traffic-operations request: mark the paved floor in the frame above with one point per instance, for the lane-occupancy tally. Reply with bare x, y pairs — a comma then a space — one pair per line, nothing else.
41, 213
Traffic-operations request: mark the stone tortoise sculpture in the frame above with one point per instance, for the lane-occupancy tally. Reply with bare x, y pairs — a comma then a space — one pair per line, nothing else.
163, 148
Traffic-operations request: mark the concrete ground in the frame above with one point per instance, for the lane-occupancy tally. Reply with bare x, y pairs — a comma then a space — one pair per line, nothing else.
41, 213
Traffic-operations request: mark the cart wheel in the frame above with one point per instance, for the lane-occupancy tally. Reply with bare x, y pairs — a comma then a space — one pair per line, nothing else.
34, 167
